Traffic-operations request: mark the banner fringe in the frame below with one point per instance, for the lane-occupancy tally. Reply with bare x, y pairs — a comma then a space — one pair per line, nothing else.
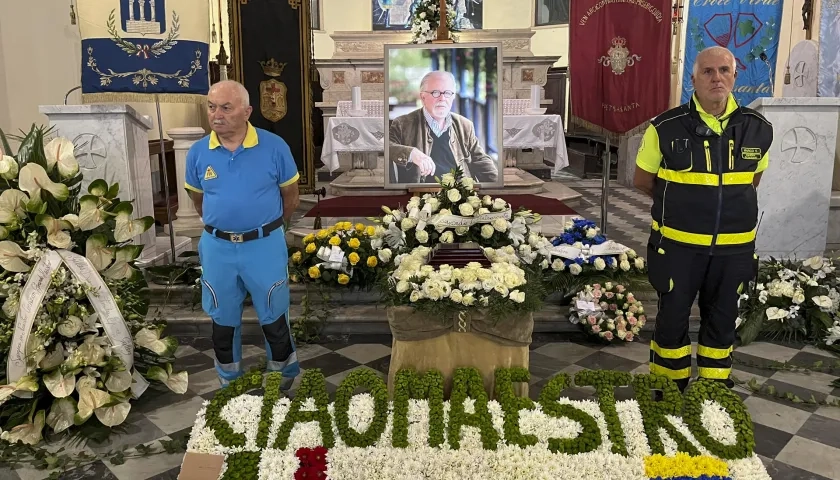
136, 97
614, 137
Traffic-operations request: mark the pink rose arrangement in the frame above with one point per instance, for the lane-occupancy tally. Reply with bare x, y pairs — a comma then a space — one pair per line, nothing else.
608, 311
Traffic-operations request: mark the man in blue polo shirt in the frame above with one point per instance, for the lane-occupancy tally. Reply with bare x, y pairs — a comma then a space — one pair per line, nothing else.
244, 183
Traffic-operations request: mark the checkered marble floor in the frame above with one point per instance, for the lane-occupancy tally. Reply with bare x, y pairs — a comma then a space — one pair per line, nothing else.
796, 441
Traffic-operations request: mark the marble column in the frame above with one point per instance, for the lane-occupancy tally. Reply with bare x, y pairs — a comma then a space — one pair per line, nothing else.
188, 222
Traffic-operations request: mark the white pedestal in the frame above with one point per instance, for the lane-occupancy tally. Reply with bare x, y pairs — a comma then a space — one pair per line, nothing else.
112, 143
188, 223
795, 191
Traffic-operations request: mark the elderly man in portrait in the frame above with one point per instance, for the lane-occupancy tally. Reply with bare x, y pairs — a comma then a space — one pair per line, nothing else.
432, 141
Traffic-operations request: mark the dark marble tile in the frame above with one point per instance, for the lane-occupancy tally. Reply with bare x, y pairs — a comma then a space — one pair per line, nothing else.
808, 359
7, 474
821, 429
752, 364
155, 397
803, 393
543, 366
607, 361
167, 475
329, 363
381, 364
194, 363
96, 470
137, 429
769, 441
782, 471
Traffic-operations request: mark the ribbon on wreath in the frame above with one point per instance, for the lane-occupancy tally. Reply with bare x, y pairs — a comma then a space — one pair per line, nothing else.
570, 252
32, 296
333, 259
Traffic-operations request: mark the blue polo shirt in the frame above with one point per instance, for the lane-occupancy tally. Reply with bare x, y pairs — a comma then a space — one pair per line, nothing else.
242, 188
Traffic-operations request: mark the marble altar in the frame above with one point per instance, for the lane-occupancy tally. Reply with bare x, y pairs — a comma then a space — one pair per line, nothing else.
112, 143
795, 191
804, 66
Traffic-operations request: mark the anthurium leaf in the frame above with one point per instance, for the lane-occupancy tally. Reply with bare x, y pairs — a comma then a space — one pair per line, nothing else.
119, 381
89, 400
98, 187
33, 178
56, 235
113, 415
60, 385
61, 415
149, 338
12, 257
178, 382
122, 269
60, 152
84, 382
113, 191
157, 373
4, 143
72, 221
28, 433
54, 359
8, 167
90, 213
12, 205
125, 228
98, 252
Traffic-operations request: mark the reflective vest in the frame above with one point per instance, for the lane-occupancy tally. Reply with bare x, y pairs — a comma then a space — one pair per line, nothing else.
704, 195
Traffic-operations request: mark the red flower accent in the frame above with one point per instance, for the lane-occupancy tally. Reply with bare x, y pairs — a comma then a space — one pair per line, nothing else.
313, 463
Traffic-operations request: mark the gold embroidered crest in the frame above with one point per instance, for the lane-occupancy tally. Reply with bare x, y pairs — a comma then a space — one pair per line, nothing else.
209, 174
273, 92
618, 57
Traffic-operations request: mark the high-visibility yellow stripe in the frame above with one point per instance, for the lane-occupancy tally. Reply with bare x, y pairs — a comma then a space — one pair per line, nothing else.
713, 353
703, 239
680, 374
705, 179
672, 353
731, 157
708, 156
714, 373
738, 178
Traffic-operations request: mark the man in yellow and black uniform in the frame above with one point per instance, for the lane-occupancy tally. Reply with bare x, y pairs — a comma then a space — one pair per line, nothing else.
701, 163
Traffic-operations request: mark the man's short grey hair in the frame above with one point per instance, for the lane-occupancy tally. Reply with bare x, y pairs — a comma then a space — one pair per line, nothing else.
241, 90
716, 49
436, 73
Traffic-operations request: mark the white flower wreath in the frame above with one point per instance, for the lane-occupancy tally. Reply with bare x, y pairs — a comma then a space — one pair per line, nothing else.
426, 18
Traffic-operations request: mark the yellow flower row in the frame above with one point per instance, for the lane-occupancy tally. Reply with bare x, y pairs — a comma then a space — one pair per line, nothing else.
353, 258
683, 465
339, 227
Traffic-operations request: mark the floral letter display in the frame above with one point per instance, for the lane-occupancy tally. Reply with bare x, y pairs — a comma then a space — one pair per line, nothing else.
705, 434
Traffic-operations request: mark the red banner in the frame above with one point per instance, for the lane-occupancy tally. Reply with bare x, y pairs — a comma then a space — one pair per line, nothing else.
619, 62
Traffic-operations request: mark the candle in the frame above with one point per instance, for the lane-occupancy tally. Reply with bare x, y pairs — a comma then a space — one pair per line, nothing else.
357, 98
536, 92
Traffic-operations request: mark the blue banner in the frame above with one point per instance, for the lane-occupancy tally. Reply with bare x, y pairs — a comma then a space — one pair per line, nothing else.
747, 30
139, 50
829, 38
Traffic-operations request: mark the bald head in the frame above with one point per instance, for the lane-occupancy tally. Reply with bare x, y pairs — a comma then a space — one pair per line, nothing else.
228, 109
715, 52
232, 88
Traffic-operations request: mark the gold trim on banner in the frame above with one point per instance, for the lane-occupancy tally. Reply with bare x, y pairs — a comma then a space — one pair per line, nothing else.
307, 175
123, 97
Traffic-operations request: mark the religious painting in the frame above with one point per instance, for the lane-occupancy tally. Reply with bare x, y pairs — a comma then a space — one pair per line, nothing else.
444, 113
397, 14
551, 12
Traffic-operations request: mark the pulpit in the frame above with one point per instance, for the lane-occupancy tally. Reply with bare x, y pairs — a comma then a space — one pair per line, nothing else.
164, 162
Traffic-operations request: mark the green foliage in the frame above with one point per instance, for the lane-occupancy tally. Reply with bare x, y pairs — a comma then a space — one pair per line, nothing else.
379, 391
707, 390
224, 433
242, 466
467, 383
270, 398
313, 386
512, 404
410, 386
605, 383
590, 437
654, 413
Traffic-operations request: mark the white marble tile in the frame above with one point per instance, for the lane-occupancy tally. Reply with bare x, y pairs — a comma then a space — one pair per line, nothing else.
804, 66
795, 190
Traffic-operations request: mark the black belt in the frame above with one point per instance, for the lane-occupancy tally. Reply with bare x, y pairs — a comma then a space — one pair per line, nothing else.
245, 236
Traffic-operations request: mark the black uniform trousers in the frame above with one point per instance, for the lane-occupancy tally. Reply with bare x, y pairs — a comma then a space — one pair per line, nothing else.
679, 274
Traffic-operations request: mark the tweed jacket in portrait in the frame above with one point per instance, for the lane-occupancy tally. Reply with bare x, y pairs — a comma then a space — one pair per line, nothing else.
412, 131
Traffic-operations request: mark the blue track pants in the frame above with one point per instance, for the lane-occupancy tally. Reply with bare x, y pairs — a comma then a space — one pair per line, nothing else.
229, 271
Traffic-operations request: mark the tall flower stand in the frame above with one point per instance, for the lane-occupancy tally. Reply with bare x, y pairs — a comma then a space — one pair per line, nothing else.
470, 339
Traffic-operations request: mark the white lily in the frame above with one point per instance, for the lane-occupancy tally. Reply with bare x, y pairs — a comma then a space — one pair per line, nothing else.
61, 414
28, 433
91, 215
12, 206
97, 251
125, 228
8, 167
57, 234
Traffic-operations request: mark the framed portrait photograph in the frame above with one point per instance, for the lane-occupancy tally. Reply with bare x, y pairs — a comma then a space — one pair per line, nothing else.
444, 111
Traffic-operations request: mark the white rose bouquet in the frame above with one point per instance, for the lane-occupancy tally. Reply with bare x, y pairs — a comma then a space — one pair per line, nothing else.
792, 300
609, 312
73, 373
